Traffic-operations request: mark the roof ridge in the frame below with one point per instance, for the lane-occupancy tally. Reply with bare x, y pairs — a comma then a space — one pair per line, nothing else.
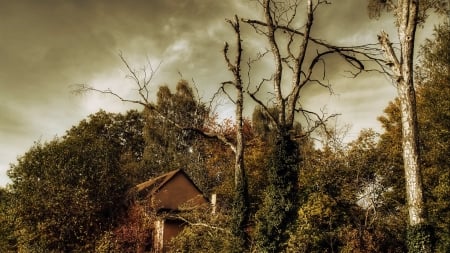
152, 181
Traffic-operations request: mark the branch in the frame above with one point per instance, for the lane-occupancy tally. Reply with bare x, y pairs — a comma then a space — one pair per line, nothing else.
294, 96
201, 224
369, 51
83, 88
393, 61
143, 91
251, 61
320, 121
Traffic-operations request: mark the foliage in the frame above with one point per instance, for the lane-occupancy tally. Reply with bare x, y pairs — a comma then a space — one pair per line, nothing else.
66, 192
417, 236
280, 200
206, 232
433, 77
322, 201
7, 239
132, 234
167, 146
342, 202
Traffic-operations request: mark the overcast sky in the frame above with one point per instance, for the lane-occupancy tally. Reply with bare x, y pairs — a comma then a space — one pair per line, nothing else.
47, 46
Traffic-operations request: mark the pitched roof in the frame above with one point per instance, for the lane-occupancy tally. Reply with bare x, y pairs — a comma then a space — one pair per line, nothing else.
154, 184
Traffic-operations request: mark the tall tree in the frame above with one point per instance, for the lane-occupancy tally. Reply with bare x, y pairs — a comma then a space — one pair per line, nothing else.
409, 14
295, 57
165, 110
241, 207
432, 98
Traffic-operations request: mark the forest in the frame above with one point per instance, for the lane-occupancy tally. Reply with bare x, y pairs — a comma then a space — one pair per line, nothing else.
285, 177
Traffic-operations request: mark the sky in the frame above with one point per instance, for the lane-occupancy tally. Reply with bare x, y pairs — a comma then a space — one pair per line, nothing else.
47, 47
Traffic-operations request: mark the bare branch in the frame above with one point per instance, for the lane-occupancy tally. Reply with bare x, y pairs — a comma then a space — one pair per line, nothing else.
250, 62
83, 88
316, 122
368, 51
143, 83
199, 224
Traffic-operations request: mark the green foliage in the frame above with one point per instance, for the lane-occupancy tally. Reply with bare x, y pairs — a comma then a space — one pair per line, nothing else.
433, 77
342, 203
419, 237
7, 239
202, 240
167, 146
315, 231
280, 201
66, 192
206, 232
106, 244
240, 219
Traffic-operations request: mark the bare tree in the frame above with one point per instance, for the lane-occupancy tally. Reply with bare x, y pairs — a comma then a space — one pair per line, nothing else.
409, 14
240, 200
298, 61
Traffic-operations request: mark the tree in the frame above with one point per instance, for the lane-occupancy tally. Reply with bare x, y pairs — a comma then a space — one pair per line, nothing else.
433, 96
432, 99
241, 207
338, 211
167, 145
68, 191
296, 55
408, 13
158, 111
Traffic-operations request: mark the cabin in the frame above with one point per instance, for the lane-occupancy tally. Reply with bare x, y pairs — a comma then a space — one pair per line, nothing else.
170, 193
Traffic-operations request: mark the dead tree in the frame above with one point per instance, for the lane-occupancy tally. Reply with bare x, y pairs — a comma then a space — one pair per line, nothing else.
298, 61
240, 200
409, 14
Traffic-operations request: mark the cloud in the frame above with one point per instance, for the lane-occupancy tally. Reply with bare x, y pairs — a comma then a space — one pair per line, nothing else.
49, 45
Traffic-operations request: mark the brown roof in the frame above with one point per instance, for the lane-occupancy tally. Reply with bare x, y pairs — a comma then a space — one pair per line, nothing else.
154, 184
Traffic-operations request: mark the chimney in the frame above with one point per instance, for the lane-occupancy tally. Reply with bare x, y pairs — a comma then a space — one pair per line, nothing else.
213, 203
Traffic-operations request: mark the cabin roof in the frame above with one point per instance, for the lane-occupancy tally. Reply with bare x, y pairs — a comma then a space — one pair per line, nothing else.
152, 185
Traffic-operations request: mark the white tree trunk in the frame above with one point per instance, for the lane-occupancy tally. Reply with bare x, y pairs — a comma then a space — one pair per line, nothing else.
402, 68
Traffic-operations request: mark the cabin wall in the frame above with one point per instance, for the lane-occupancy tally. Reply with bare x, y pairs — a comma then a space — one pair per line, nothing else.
177, 192
171, 229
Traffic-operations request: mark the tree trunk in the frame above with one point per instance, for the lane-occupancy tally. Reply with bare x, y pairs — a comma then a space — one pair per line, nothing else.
419, 238
240, 199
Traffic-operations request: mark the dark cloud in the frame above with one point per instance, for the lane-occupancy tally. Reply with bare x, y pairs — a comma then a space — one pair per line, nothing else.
48, 45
